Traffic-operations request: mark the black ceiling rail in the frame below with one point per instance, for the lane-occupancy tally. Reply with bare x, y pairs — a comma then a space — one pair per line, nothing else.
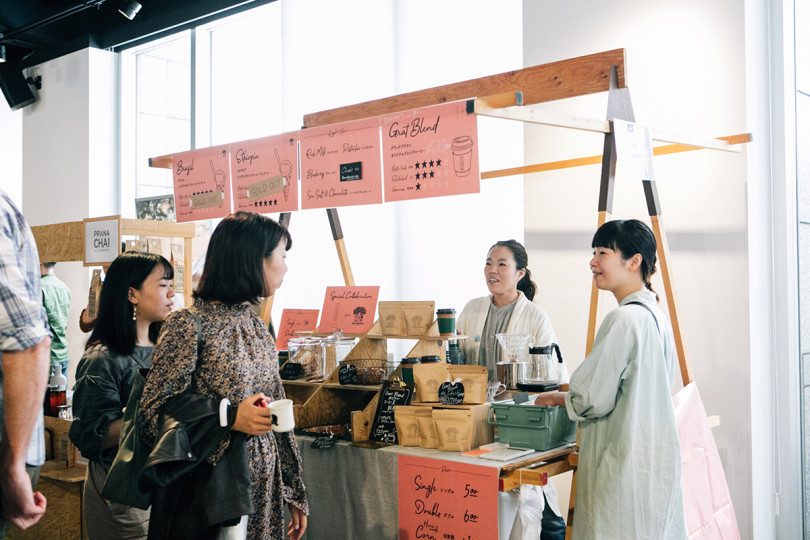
8, 36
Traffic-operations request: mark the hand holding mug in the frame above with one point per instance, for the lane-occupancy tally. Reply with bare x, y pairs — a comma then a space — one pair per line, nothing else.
251, 417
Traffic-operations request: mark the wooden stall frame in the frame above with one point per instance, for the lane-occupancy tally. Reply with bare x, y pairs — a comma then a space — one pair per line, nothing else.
550, 82
64, 242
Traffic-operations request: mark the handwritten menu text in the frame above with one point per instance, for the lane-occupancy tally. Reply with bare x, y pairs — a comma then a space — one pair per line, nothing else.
265, 174
202, 184
430, 152
444, 499
340, 164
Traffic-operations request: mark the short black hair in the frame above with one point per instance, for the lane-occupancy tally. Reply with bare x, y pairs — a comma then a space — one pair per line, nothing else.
234, 263
114, 325
628, 237
49, 264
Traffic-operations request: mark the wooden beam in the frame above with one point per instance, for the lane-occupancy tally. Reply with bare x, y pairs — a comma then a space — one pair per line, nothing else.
548, 82
595, 160
672, 301
547, 118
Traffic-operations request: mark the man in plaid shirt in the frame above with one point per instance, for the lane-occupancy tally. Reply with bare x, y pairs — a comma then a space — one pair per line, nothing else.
24, 358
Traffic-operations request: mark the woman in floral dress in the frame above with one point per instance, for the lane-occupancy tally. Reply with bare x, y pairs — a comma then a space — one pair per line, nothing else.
237, 364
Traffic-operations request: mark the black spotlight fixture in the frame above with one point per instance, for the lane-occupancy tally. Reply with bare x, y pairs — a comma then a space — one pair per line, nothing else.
129, 9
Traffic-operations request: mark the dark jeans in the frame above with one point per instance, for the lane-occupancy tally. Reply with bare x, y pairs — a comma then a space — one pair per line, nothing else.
553, 525
33, 473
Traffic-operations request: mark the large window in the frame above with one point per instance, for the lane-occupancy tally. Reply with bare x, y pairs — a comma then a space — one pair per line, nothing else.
258, 73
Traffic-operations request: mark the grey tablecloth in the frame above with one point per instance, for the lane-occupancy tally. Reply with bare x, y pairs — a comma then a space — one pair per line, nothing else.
352, 491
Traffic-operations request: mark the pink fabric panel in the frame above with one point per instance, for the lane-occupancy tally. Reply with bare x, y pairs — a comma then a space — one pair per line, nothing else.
707, 501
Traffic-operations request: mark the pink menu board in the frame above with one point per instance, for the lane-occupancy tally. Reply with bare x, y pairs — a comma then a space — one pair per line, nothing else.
265, 174
202, 184
446, 499
351, 309
292, 321
340, 165
430, 152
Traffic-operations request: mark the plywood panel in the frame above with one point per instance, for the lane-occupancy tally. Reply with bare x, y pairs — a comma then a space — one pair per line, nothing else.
61, 242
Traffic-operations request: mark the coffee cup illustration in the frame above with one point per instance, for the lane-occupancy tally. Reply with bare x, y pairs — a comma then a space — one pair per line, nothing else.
462, 154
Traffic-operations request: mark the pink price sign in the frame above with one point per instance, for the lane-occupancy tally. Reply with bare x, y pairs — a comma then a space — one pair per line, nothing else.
340, 165
446, 499
265, 174
430, 152
351, 309
202, 184
292, 321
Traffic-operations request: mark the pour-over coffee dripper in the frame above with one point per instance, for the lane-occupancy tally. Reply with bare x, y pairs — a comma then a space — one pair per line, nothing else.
514, 371
513, 344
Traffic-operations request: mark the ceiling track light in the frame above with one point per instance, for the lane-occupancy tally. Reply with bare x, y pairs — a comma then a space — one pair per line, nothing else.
129, 9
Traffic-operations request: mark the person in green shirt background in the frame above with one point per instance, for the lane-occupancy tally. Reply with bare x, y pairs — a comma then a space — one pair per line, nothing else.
56, 299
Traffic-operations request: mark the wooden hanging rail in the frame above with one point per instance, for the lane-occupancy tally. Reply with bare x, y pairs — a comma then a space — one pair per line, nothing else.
547, 82
596, 160
536, 116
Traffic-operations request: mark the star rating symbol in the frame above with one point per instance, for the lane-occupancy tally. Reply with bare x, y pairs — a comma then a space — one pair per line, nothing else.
431, 174
424, 164
417, 164
418, 186
431, 163
438, 163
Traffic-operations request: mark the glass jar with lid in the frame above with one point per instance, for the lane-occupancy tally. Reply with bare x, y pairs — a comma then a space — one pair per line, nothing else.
308, 352
335, 349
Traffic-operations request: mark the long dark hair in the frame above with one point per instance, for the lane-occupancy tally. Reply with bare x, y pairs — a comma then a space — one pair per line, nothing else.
630, 236
115, 327
525, 285
234, 263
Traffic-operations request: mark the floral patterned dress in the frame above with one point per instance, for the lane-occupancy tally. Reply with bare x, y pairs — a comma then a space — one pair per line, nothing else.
238, 358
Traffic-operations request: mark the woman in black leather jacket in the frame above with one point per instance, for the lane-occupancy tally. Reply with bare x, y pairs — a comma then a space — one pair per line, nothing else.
136, 298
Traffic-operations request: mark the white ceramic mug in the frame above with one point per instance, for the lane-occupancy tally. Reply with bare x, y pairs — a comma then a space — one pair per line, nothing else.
281, 412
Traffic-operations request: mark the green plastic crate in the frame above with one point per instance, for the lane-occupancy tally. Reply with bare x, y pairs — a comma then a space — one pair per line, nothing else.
532, 426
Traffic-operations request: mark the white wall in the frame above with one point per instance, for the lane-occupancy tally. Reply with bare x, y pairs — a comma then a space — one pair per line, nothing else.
11, 152
69, 158
686, 72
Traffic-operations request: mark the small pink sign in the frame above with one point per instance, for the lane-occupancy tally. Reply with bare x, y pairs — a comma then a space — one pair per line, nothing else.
202, 184
430, 152
352, 309
265, 174
292, 321
340, 165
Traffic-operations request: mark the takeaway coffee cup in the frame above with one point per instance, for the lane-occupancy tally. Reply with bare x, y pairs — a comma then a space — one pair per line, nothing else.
462, 154
281, 412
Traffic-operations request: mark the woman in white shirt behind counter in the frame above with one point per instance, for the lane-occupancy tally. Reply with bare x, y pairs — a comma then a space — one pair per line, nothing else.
509, 309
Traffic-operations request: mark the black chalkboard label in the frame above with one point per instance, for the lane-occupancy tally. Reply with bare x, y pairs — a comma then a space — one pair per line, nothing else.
351, 171
451, 393
291, 371
384, 429
347, 374
323, 443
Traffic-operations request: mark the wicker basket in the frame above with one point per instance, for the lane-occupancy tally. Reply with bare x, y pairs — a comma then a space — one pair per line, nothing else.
371, 370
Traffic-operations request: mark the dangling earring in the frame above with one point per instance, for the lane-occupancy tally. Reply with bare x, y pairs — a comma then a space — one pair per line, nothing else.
134, 312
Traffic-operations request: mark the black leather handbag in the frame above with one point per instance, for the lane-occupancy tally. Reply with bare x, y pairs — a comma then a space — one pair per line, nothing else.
121, 484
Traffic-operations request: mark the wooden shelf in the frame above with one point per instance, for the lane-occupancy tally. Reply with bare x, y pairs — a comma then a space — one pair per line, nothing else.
358, 387
330, 402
